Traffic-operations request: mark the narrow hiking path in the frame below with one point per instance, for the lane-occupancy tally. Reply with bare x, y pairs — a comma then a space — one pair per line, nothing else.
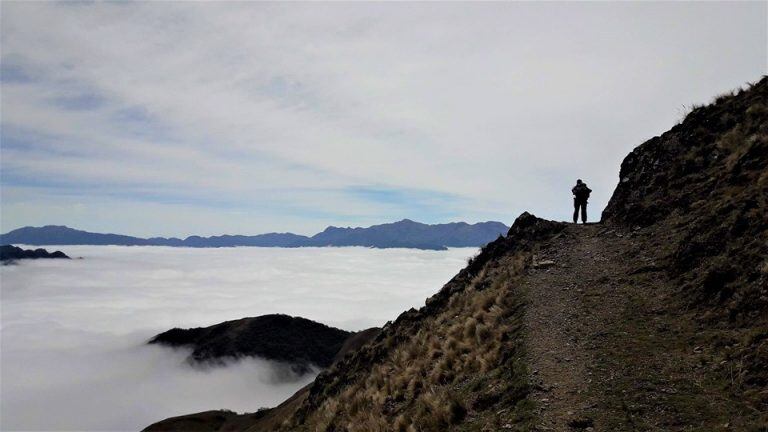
606, 346
558, 331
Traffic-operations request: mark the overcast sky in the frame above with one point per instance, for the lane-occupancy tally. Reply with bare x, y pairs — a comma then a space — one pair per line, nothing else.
180, 118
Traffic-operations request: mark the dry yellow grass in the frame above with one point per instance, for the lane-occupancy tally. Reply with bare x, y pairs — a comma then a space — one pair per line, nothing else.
422, 382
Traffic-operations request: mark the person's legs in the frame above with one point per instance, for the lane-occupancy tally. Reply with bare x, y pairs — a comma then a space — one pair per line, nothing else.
575, 210
583, 212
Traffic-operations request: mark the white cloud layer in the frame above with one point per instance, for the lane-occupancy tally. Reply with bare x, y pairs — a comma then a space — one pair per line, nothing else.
278, 110
73, 332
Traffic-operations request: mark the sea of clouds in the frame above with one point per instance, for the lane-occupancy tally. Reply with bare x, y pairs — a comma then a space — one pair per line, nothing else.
73, 332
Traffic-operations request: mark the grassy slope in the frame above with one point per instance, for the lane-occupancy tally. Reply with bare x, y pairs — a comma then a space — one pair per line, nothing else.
456, 363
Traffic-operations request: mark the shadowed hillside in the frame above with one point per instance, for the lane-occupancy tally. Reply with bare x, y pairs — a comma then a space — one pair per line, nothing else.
654, 319
298, 341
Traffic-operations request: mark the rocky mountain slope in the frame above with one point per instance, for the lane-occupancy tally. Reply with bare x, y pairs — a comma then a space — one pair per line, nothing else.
402, 234
655, 319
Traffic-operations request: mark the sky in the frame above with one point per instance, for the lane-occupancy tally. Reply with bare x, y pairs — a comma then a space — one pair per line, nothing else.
79, 327
179, 118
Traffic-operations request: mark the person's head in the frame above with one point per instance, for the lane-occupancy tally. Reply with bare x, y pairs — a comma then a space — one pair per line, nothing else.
578, 182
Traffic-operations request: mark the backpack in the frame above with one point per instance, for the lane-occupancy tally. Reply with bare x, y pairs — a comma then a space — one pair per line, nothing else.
582, 192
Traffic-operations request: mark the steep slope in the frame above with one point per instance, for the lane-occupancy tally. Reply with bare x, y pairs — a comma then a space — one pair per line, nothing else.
449, 364
653, 320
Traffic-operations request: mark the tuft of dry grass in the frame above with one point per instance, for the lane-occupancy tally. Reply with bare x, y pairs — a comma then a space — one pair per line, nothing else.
424, 382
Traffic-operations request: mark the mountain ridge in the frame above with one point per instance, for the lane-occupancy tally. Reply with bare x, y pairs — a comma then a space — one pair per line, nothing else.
401, 234
298, 342
654, 319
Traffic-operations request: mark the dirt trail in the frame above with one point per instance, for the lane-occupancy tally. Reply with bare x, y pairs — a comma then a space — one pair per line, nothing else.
605, 351
557, 356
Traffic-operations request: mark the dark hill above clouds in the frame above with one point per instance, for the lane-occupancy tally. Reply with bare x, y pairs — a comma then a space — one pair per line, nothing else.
402, 234
10, 253
654, 319
297, 341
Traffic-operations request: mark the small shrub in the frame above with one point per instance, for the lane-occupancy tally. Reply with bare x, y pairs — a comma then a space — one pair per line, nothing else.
470, 328
455, 411
479, 316
435, 354
483, 333
451, 345
488, 302
401, 424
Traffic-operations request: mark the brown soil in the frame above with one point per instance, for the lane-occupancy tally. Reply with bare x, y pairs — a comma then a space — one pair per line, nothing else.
608, 347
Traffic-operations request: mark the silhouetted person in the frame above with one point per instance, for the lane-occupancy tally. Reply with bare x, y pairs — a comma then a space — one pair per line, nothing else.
580, 196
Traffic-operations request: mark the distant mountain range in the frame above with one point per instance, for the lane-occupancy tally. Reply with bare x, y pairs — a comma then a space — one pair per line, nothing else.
402, 234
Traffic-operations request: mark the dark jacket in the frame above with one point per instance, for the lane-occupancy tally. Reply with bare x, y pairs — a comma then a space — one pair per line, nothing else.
581, 192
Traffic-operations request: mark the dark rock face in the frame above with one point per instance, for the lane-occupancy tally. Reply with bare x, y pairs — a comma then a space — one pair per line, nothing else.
706, 183
282, 338
716, 150
525, 231
12, 253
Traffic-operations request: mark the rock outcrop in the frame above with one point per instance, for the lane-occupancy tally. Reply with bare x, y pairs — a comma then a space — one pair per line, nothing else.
705, 181
10, 253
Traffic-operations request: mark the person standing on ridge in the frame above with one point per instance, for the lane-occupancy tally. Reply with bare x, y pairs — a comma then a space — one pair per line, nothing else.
580, 196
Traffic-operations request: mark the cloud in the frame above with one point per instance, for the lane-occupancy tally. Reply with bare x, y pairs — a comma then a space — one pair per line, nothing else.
78, 327
500, 105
